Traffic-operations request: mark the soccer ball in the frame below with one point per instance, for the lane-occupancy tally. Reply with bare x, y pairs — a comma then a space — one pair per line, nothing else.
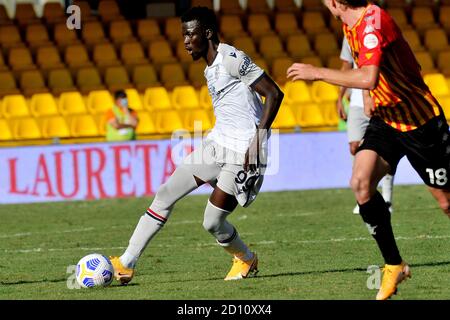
94, 270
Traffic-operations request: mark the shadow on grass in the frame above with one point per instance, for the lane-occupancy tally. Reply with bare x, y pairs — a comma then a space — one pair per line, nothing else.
20, 282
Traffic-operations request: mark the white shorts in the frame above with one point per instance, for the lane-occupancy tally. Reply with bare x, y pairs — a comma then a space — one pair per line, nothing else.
223, 168
357, 123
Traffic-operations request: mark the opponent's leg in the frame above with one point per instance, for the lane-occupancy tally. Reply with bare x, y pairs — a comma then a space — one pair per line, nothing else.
443, 198
219, 206
369, 168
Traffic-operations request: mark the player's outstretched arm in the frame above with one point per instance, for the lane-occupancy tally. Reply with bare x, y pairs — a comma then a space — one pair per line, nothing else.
365, 77
267, 88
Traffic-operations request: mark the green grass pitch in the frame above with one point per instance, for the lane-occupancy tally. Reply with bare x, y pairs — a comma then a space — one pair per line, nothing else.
309, 243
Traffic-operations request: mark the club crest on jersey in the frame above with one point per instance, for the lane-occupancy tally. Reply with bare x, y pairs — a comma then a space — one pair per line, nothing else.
369, 29
370, 41
243, 69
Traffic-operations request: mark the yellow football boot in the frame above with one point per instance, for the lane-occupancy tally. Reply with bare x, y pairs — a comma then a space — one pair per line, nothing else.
242, 269
122, 274
393, 275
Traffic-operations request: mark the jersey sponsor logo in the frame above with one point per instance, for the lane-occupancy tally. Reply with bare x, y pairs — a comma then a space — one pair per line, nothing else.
233, 54
370, 41
244, 67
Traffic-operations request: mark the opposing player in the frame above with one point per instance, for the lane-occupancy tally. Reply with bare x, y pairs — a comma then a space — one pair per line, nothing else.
231, 158
357, 121
405, 120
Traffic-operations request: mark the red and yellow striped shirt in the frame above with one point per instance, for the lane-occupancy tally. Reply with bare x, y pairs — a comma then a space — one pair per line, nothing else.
402, 99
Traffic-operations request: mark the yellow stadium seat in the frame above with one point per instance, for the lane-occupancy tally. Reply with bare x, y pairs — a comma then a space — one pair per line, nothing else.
37, 35
298, 46
258, 7
279, 67
10, 36
167, 121
172, 75
172, 29
205, 98
325, 45
312, 5
286, 24
25, 128
259, 25
399, 16
231, 27
247, 45
83, 125
134, 99
5, 131
109, 10
444, 17
271, 47
313, 60
157, 98
437, 84
76, 56
4, 18
3, 67
285, 118
435, 41
181, 53
443, 62
104, 55
196, 73
261, 62
132, 53
413, 39
426, 62
309, 115
15, 106
160, 52
148, 30
286, 6
185, 97
117, 78
334, 62
25, 14
92, 33
20, 59
32, 82
88, 79
313, 22
120, 31
297, 93
231, 7
145, 124
43, 104
53, 13
64, 36
196, 120
48, 58
422, 18
60, 80
71, 103
144, 76
329, 113
54, 127
99, 101
7, 84
324, 92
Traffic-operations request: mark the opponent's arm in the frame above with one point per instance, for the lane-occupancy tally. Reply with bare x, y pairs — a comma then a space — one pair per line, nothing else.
365, 77
346, 65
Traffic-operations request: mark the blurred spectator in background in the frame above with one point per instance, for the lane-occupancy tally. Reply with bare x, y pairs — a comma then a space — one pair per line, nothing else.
121, 120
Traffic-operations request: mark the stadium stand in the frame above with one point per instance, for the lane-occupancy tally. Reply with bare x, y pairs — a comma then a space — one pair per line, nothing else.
41, 60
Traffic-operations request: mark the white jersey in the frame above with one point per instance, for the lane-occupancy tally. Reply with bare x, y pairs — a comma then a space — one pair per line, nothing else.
237, 108
356, 95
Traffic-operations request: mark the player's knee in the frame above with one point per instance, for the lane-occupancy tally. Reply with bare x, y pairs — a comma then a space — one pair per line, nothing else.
445, 206
361, 187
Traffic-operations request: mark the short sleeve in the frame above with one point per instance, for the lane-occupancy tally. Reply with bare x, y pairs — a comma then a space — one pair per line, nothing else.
239, 65
346, 52
371, 44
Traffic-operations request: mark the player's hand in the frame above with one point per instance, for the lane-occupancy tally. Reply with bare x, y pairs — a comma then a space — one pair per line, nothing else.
340, 110
301, 71
252, 156
369, 105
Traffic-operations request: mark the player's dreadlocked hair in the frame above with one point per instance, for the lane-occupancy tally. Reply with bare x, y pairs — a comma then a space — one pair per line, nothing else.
354, 3
205, 16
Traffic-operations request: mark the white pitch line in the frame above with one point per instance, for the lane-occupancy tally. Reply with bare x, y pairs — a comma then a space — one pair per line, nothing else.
262, 243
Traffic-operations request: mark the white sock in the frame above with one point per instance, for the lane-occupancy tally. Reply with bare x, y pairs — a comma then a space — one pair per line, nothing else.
386, 186
145, 230
237, 248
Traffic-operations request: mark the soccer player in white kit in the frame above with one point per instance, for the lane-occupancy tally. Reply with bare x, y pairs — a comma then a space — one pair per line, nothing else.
231, 158
357, 121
